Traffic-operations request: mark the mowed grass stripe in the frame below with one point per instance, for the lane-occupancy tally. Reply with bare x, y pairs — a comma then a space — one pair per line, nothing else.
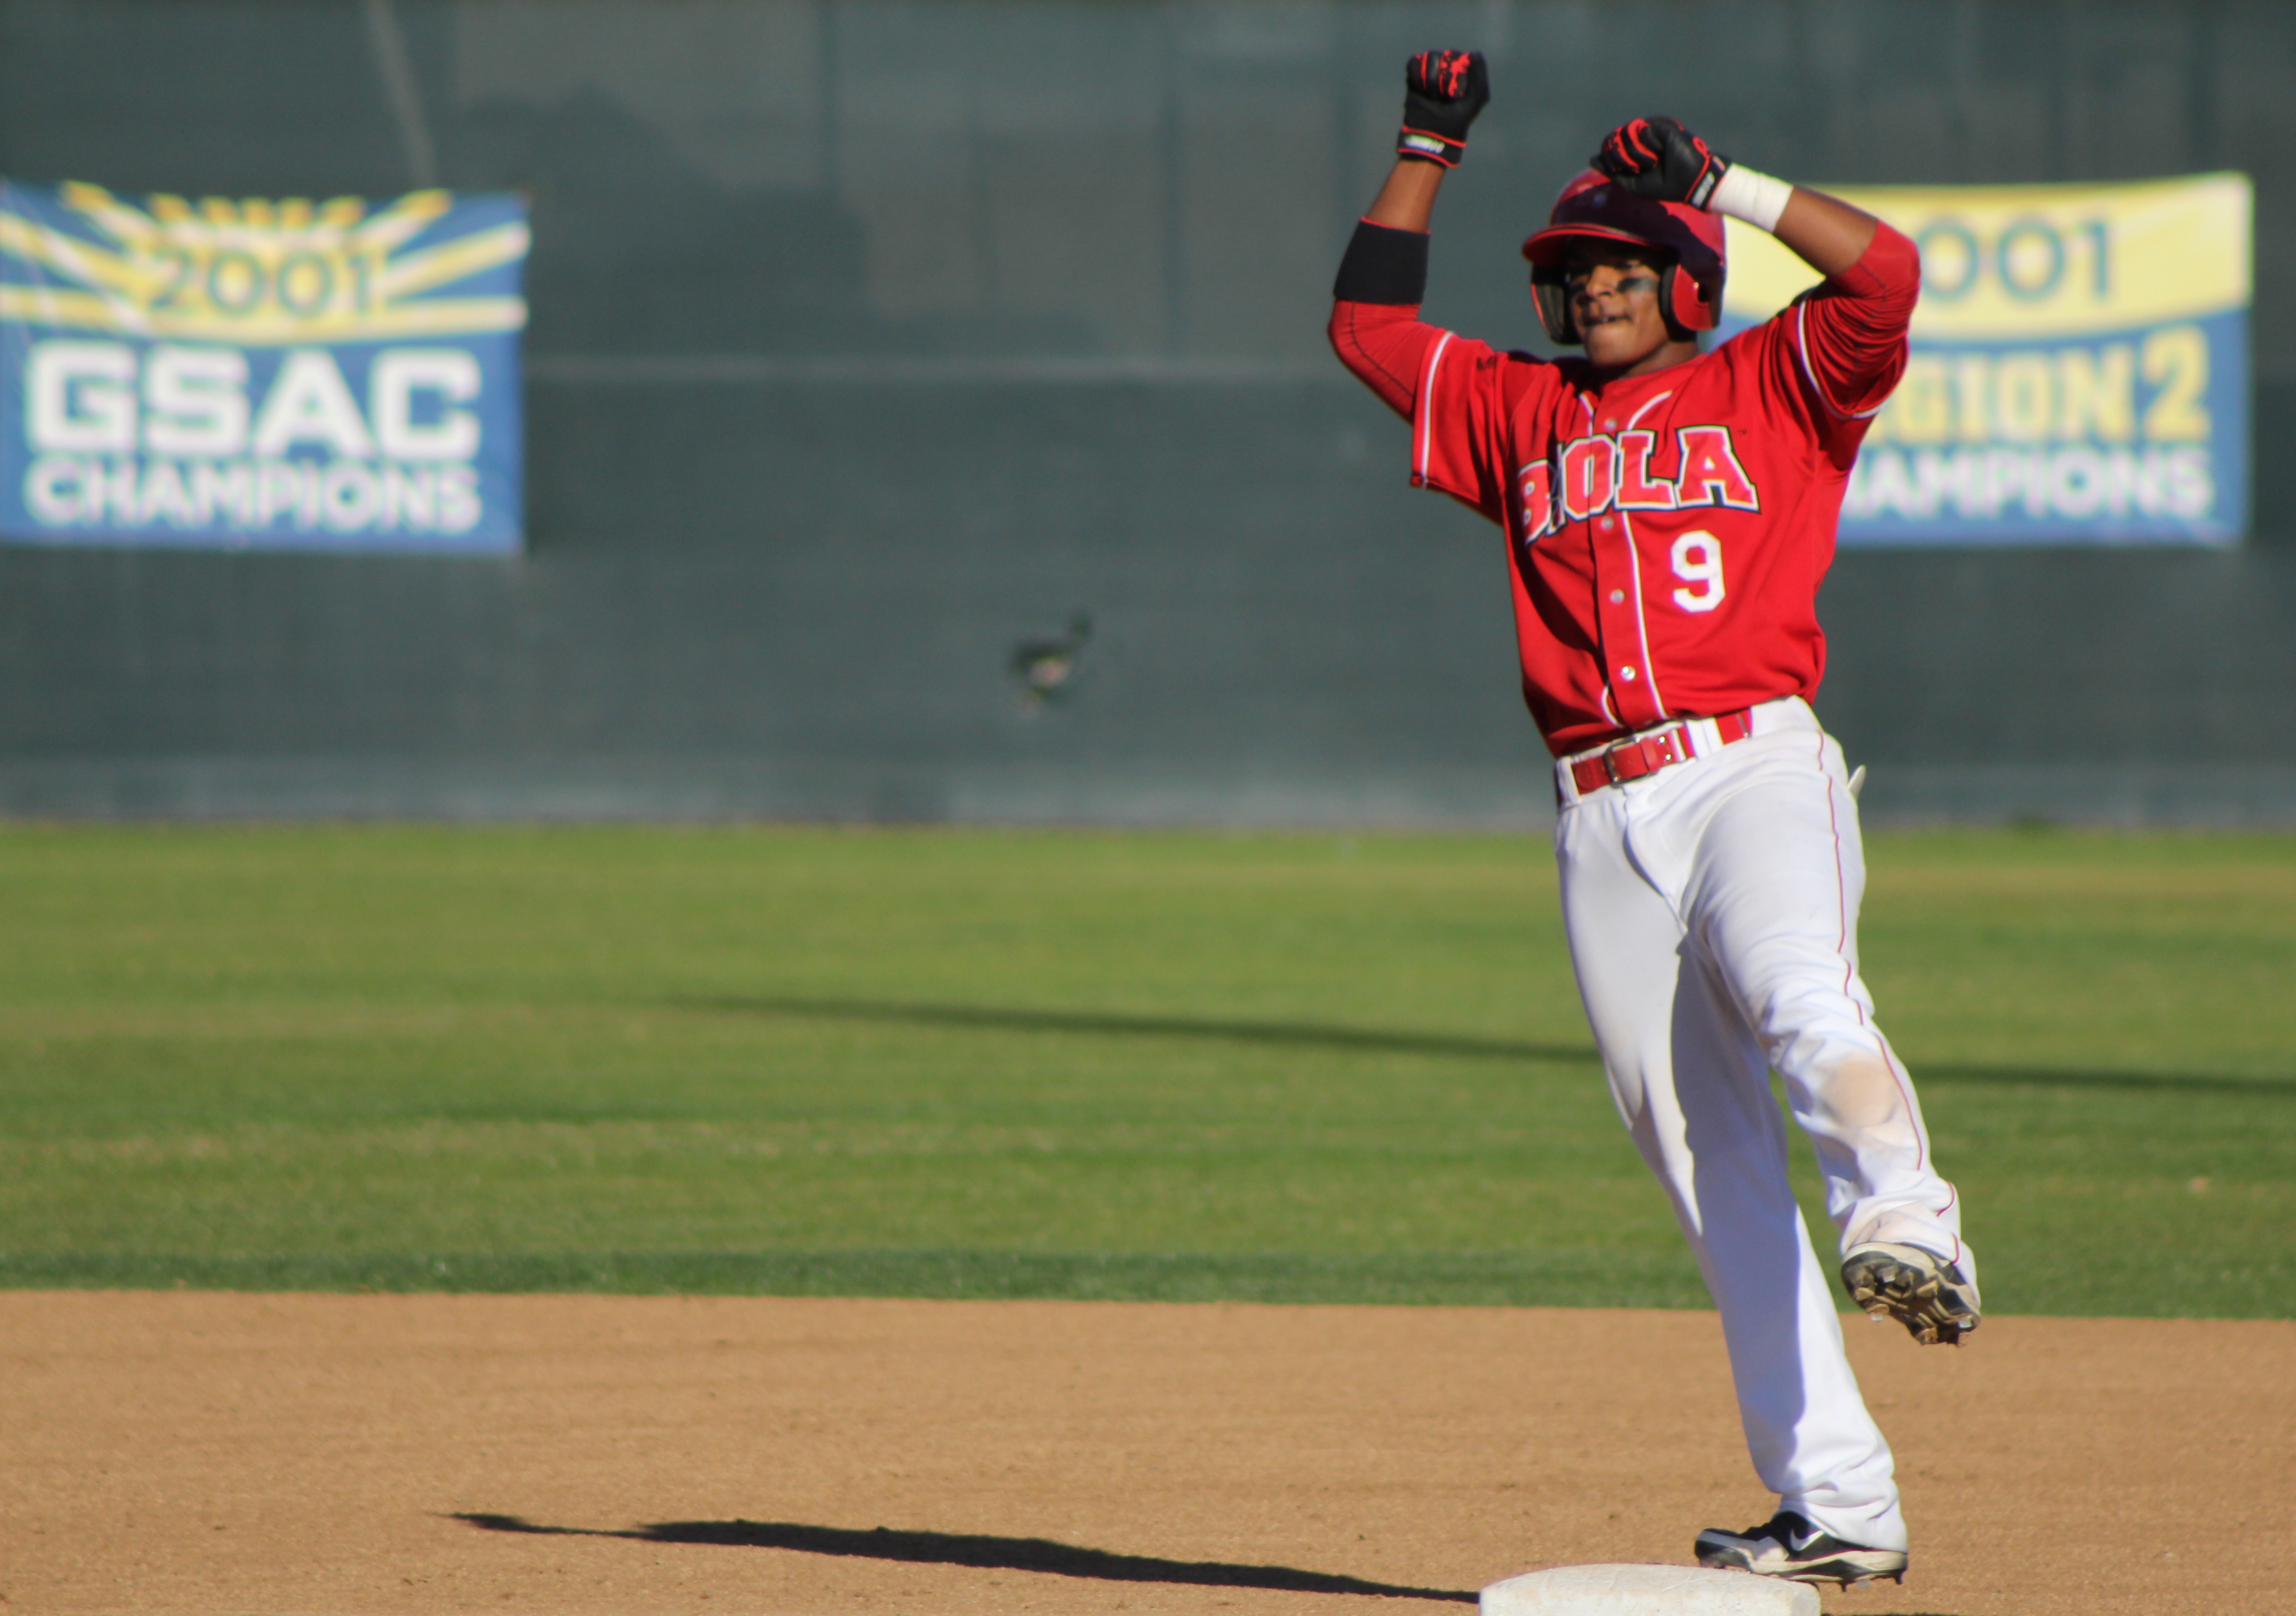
967, 1063
1560, 1279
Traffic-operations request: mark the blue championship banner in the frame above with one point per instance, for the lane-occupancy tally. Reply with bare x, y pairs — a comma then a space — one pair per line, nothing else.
290, 375
2079, 364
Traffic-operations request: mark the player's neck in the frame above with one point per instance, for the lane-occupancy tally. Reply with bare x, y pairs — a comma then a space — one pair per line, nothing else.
1666, 356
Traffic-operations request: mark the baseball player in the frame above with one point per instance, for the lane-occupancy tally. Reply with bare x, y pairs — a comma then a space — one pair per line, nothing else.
1669, 512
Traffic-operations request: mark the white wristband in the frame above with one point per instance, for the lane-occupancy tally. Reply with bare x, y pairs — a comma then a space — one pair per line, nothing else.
1755, 198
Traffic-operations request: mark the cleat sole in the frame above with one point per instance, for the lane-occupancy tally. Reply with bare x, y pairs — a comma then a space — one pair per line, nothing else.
1886, 1287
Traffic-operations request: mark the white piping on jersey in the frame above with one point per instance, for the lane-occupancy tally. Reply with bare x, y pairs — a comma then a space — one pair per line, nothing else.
1426, 403
1634, 419
1642, 624
1634, 575
1801, 355
1609, 710
1648, 668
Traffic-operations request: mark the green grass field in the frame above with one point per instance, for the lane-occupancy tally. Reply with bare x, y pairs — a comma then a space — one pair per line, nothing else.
984, 1063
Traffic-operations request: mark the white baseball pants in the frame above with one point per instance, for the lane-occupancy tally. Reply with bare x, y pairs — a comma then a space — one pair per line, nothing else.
1712, 913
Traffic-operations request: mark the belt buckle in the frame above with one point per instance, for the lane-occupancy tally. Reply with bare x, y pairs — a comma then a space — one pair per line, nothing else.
1672, 751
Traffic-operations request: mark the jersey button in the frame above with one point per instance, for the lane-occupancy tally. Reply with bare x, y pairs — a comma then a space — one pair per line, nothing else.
1617, 597
1627, 674
1609, 426
1606, 524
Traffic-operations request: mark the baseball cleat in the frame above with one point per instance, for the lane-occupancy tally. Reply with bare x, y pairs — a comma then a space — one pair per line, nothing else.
1919, 1289
1789, 1547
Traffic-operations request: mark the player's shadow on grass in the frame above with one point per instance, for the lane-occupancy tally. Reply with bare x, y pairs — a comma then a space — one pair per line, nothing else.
979, 1552
996, 1018
1374, 1040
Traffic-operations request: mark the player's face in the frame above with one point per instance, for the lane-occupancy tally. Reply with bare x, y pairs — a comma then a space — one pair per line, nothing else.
1614, 303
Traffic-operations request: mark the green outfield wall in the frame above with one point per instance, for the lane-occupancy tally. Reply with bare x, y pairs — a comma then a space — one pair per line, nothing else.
874, 342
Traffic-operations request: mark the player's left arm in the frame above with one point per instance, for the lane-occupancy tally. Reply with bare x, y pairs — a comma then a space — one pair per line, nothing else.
1657, 158
1851, 330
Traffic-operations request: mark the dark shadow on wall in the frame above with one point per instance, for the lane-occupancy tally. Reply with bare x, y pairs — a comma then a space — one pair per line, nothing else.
1372, 1040
638, 251
2272, 526
979, 1551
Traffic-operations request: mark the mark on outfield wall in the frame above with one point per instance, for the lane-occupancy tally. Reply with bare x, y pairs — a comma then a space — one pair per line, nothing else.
1047, 665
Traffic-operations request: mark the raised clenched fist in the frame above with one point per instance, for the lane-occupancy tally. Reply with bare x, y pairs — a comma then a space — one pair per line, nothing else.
1658, 158
1443, 90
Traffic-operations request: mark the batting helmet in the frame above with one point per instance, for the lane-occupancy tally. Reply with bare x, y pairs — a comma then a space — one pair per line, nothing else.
1592, 208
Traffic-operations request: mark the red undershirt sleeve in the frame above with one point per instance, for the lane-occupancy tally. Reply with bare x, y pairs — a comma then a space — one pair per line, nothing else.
1385, 345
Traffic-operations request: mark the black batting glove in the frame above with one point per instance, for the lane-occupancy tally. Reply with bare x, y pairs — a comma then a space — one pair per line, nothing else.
1442, 92
1658, 158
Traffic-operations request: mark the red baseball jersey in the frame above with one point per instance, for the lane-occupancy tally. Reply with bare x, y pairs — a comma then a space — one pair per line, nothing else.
1667, 532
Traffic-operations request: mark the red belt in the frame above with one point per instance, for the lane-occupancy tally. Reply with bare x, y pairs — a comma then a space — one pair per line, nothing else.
1648, 754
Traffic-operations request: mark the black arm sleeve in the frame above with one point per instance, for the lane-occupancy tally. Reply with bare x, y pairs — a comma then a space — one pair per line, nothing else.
1382, 266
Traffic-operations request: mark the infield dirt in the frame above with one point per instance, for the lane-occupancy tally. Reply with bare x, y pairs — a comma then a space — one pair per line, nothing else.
346, 1455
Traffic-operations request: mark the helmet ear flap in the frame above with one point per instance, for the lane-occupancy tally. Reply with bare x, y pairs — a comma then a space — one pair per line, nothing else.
1682, 300
1553, 301
1682, 303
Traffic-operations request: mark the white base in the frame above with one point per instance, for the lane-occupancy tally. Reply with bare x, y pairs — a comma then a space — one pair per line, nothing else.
1646, 1590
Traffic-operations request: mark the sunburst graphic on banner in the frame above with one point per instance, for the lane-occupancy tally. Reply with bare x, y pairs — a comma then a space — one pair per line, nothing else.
256, 271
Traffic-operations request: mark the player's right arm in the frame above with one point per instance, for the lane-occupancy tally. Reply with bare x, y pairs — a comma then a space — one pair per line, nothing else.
1375, 328
1455, 392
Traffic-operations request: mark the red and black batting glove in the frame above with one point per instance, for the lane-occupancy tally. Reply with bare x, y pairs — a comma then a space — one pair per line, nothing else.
1442, 92
1658, 158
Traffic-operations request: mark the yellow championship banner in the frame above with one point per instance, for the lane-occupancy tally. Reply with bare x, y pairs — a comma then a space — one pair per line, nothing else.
2079, 367
255, 372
